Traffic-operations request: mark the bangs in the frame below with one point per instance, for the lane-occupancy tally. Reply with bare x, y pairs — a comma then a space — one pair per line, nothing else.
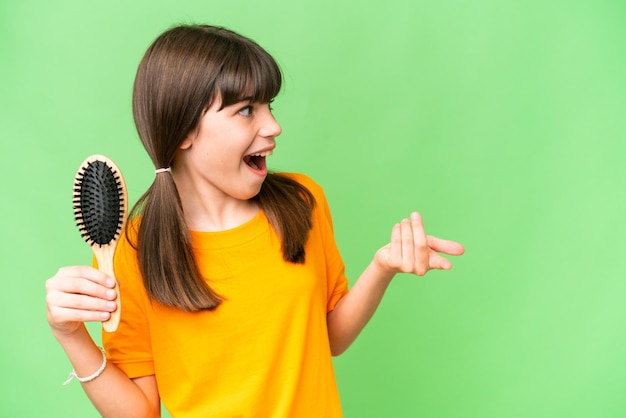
248, 73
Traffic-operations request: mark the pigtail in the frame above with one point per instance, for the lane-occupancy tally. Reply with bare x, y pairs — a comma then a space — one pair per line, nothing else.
170, 273
288, 205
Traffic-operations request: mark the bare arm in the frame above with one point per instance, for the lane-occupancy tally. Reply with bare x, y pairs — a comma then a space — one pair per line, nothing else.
410, 251
80, 294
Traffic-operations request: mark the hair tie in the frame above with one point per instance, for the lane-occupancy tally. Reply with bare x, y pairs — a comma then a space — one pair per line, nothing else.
162, 170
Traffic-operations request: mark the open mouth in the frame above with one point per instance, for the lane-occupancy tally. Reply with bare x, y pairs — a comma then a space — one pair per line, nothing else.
257, 161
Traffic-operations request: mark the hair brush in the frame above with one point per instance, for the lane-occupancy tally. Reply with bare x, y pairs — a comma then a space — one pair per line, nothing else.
100, 209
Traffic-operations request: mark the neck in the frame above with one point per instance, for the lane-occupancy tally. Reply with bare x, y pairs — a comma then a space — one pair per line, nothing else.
211, 212
210, 218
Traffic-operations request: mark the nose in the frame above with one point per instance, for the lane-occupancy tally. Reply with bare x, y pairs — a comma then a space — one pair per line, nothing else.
270, 127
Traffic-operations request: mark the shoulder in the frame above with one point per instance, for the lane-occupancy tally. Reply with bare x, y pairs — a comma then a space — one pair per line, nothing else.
131, 231
126, 248
305, 181
320, 203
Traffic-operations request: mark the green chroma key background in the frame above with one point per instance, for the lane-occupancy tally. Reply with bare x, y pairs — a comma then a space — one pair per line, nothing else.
503, 122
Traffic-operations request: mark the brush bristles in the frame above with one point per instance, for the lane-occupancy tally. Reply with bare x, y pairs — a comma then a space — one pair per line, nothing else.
98, 203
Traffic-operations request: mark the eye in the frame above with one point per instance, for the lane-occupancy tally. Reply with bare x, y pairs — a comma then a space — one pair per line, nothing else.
245, 111
270, 105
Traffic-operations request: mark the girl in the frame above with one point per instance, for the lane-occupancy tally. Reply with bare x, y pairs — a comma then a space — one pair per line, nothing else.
234, 293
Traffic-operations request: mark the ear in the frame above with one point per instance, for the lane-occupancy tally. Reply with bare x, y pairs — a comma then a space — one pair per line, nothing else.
187, 142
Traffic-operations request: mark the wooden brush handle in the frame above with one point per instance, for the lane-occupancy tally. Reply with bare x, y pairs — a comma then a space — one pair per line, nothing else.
104, 255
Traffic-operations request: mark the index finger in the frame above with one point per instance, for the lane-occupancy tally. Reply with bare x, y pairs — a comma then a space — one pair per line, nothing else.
86, 272
445, 246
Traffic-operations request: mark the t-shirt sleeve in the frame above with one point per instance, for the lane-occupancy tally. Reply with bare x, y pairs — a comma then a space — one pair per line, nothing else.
336, 271
129, 346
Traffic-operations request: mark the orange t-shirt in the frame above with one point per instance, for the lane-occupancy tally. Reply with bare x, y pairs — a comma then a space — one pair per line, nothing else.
264, 352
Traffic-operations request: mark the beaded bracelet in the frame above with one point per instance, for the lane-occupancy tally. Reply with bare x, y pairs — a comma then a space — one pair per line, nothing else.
92, 376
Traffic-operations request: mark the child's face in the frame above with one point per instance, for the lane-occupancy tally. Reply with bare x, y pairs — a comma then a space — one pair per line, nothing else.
225, 156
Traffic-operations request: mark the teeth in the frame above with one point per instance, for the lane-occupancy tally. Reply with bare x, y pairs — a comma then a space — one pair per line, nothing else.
262, 154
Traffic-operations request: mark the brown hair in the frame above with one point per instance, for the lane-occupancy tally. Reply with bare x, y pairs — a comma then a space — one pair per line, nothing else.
179, 77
